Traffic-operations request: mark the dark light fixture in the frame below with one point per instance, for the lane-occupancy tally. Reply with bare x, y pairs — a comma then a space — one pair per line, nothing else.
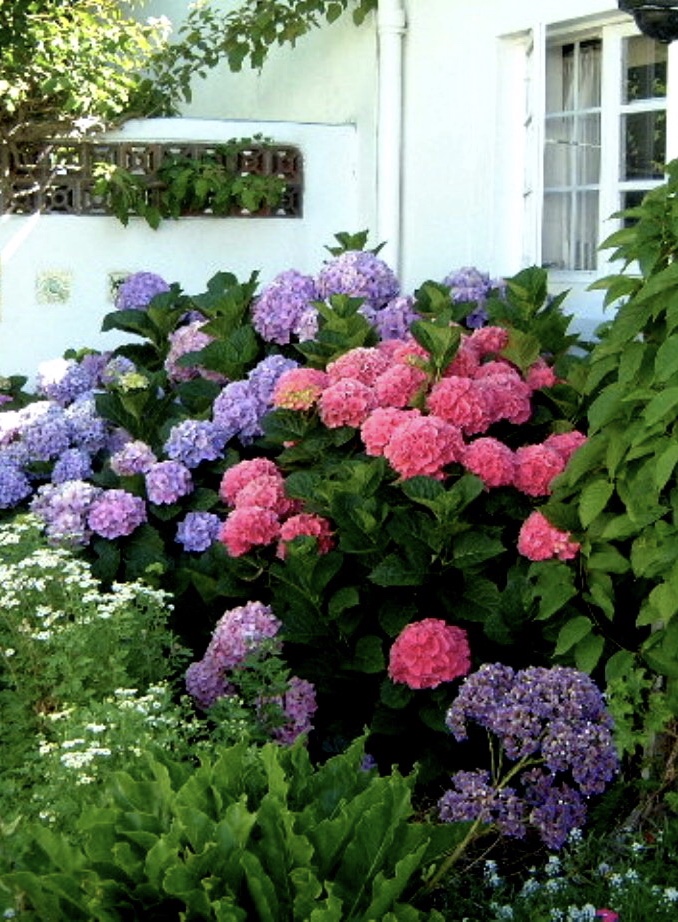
656, 18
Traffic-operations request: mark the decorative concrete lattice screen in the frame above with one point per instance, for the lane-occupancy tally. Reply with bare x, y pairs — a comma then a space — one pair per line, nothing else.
58, 179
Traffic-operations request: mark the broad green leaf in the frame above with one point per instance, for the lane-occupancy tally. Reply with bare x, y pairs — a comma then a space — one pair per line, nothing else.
666, 360
663, 404
594, 497
393, 571
588, 651
572, 632
665, 464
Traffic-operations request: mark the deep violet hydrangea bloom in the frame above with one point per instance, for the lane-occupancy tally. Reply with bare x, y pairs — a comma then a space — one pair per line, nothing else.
116, 513
198, 531
282, 310
554, 722
360, 274
138, 290
168, 481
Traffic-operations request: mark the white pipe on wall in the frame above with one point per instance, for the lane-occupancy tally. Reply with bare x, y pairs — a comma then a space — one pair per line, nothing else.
391, 28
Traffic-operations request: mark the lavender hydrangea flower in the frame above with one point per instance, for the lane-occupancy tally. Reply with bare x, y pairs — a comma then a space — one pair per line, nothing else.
193, 441
198, 531
359, 274
116, 514
73, 464
393, 321
280, 311
168, 481
264, 377
134, 457
298, 705
184, 340
237, 410
63, 380
63, 509
44, 430
469, 285
86, 428
116, 368
138, 290
14, 484
238, 632
550, 722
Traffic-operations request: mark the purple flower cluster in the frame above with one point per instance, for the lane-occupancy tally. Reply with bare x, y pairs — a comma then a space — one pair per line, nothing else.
360, 274
44, 430
193, 441
72, 464
63, 380
116, 513
138, 290
14, 484
238, 632
198, 531
63, 509
551, 718
298, 705
285, 308
184, 340
168, 481
134, 457
393, 321
469, 285
241, 405
86, 428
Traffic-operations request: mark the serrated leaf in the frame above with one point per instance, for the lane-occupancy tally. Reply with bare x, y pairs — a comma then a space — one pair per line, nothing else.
393, 571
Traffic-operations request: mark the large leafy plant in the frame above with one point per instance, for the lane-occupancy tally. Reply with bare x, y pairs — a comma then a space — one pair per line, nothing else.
248, 833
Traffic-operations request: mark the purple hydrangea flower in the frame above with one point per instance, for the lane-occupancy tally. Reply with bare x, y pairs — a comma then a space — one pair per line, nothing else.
298, 705
186, 339
73, 464
116, 513
474, 797
133, 457
264, 377
63, 508
359, 274
198, 531
14, 484
138, 290
193, 441
393, 321
168, 481
86, 428
237, 410
116, 367
63, 380
44, 430
280, 311
469, 285
205, 683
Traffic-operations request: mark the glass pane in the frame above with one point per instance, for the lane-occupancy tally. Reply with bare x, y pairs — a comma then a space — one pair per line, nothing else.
588, 150
555, 230
588, 77
645, 69
586, 231
558, 151
559, 78
643, 145
631, 198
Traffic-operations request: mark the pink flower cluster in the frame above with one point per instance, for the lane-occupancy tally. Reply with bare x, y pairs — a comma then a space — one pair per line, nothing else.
429, 652
421, 427
262, 513
539, 540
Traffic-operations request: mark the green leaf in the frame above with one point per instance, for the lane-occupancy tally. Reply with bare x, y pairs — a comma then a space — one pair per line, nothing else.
588, 651
368, 656
666, 360
393, 571
593, 499
661, 406
572, 632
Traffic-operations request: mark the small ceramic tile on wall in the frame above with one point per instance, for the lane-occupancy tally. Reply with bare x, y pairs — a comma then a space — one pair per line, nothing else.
115, 280
54, 286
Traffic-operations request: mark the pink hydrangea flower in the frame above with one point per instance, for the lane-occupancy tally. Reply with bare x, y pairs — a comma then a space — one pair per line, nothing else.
462, 402
491, 460
607, 915
399, 385
299, 388
363, 364
465, 363
238, 476
423, 445
536, 467
249, 527
346, 403
409, 352
540, 375
565, 443
496, 367
116, 513
507, 395
266, 491
489, 340
306, 523
429, 652
379, 426
539, 540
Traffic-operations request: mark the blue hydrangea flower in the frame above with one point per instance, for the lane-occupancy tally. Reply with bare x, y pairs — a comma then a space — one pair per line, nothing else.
237, 409
14, 484
138, 290
193, 441
73, 464
198, 531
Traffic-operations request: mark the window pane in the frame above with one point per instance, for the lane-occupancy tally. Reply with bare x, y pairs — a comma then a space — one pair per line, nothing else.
588, 77
588, 149
645, 69
558, 151
586, 231
555, 231
643, 145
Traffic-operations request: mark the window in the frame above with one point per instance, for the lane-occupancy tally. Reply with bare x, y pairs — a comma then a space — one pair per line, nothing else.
598, 96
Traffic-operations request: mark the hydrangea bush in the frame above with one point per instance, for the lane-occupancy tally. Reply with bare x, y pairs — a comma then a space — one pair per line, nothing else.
359, 459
